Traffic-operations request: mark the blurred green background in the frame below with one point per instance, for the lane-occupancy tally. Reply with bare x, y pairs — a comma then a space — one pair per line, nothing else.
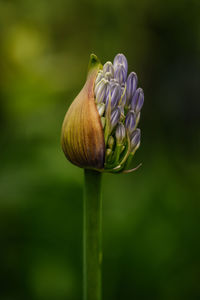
151, 218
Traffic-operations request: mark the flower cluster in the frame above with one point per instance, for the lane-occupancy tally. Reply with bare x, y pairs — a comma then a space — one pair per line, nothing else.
99, 130
119, 102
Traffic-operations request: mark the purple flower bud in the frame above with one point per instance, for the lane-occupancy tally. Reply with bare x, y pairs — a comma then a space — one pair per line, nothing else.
120, 133
100, 90
121, 59
115, 116
120, 73
130, 122
131, 86
108, 67
137, 100
135, 139
115, 94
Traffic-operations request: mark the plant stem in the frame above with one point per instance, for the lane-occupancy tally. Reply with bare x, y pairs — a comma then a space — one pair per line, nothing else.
92, 252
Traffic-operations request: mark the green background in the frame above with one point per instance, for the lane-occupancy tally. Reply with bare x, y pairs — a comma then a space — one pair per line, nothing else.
151, 218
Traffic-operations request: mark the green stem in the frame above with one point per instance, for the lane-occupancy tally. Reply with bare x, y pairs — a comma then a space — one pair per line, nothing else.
92, 252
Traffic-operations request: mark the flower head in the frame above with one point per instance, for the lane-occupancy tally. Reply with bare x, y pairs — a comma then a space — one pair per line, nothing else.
100, 128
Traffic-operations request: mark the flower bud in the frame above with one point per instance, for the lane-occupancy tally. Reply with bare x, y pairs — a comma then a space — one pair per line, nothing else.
121, 59
82, 135
115, 116
100, 90
135, 139
130, 121
100, 128
120, 133
108, 67
131, 86
113, 93
137, 100
120, 74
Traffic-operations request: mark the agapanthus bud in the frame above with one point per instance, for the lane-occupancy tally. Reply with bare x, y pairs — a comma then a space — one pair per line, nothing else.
120, 133
121, 59
130, 122
135, 139
108, 67
137, 100
100, 90
120, 73
115, 116
113, 95
131, 86
100, 129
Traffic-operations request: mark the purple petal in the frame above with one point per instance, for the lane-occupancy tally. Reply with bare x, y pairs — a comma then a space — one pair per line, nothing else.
137, 100
121, 59
100, 90
130, 121
108, 67
120, 133
135, 138
115, 93
131, 85
120, 74
115, 116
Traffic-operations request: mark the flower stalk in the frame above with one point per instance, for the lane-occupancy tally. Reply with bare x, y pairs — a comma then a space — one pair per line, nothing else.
92, 235
100, 134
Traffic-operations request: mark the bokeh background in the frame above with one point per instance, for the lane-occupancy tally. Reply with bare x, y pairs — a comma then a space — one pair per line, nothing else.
151, 218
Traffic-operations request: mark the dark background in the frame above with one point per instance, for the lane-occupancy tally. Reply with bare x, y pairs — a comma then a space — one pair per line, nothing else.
151, 218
